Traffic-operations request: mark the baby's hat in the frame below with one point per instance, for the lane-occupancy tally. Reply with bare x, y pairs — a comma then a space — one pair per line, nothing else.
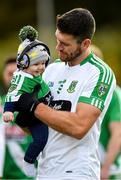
31, 50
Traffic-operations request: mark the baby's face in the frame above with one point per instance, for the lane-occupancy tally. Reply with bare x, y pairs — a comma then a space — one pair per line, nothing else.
36, 69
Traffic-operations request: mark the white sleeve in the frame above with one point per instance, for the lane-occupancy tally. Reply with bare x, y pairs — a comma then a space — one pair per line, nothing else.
2, 147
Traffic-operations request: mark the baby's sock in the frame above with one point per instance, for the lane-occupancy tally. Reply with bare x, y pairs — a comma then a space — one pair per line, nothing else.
29, 169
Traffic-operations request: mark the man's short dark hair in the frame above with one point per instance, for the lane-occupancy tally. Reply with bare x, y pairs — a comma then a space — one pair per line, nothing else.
78, 22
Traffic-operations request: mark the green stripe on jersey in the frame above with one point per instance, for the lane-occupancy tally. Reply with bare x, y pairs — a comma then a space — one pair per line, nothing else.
93, 101
100, 92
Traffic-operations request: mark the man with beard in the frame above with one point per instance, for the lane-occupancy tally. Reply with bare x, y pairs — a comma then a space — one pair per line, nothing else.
85, 81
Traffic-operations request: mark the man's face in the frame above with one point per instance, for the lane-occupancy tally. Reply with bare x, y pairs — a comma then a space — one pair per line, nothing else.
68, 48
8, 73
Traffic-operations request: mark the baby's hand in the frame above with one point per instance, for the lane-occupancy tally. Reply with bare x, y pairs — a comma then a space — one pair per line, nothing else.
8, 116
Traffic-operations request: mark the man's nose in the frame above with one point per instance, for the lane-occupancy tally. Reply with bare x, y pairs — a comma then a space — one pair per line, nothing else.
59, 47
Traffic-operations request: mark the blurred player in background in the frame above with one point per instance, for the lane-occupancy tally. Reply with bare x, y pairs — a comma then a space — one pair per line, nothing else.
110, 138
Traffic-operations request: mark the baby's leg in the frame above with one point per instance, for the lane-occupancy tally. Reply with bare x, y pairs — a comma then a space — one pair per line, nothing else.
40, 135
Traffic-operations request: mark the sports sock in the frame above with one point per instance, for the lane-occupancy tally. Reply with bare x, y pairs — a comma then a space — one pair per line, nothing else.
29, 169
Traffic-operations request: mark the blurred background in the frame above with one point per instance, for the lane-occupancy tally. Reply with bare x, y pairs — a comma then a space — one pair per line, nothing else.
41, 14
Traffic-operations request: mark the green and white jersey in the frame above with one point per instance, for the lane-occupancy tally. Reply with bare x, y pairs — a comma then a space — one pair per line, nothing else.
91, 82
113, 114
23, 82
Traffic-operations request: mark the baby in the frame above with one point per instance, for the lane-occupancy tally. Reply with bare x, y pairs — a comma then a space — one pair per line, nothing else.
32, 58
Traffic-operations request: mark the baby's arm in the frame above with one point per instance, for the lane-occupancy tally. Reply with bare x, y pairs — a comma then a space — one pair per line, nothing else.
8, 116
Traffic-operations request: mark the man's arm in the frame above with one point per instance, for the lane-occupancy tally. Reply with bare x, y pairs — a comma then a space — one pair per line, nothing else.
73, 124
114, 147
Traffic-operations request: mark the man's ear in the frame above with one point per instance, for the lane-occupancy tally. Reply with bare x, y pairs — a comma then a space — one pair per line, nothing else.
85, 44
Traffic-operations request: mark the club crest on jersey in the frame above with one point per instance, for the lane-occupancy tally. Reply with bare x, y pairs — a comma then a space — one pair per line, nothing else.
102, 89
72, 86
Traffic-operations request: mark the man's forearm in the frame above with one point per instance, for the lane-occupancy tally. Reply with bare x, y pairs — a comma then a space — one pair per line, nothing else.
75, 124
59, 120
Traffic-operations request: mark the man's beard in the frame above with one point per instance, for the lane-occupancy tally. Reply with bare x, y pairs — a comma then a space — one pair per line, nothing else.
73, 56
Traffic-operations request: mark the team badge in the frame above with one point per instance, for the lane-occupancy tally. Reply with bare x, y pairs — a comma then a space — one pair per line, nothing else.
102, 89
72, 86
